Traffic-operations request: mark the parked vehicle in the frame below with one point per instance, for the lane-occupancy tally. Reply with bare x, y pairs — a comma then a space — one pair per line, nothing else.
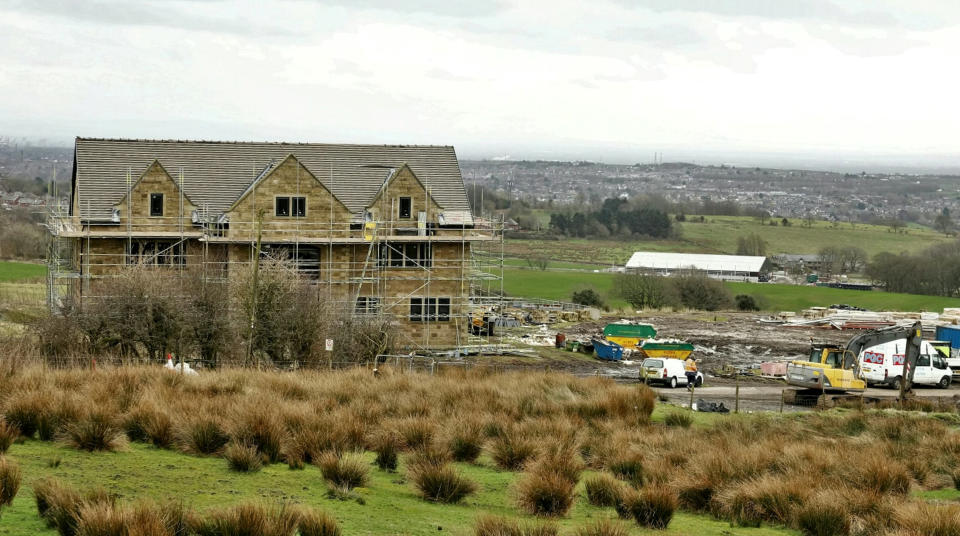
666, 371
950, 335
883, 365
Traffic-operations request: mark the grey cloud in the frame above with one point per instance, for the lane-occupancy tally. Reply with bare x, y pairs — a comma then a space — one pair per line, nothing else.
667, 35
129, 13
447, 8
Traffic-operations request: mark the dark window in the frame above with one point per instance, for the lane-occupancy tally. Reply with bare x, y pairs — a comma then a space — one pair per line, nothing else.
923, 361
406, 208
155, 253
305, 258
429, 309
406, 255
367, 305
156, 204
299, 206
416, 309
283, 206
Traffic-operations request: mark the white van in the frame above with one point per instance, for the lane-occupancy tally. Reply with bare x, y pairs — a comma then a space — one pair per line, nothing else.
883, 365
666, 371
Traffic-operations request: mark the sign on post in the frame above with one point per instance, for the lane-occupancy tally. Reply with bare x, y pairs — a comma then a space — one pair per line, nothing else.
329, 345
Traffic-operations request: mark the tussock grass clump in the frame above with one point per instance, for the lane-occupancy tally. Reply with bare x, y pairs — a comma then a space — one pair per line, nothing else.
440, 483
95, 431
955, 476
603, 489
545, 493
24, 410
682, 419
433, 455
922, 518
347, 471
10, 477
60, 505
257, 425
821, 516
768, 498
8, 434
490, 525
603, 527
883, 476
318, 523
512, 449
465, 441
250, 519
146, 422
416, 431
101, 519
202, 436
627, 466
386, 444
653, 507
243, 458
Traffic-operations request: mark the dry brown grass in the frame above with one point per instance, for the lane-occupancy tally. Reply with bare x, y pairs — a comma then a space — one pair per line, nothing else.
745, 469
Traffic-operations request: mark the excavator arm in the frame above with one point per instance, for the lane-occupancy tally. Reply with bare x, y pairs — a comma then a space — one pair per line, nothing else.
913, 335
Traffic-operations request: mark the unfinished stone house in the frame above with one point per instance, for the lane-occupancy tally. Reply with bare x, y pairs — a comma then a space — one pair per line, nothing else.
381, 229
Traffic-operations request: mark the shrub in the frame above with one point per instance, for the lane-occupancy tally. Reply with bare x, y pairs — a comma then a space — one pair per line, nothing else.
511, 450
682, 419
95, 431
699, 291
588, 297
8, 434
202, 435
10, 476
242, 457
819, 517
318, 523
545, 493
440, 483
387, 445
627, 466
603, 527
603, 490
348, 471
745, 302
250, 519
653, 507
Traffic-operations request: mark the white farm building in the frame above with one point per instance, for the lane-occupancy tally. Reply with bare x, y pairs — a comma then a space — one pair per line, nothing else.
727, 267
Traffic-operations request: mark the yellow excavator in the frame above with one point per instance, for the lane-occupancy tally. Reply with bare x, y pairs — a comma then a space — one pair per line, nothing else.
835, 369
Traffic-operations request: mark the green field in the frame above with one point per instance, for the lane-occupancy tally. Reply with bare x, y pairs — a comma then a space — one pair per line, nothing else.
391, 505
719, 235
17, 271
553, 285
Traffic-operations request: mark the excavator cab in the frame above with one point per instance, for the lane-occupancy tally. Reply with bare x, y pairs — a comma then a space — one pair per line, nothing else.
829, 368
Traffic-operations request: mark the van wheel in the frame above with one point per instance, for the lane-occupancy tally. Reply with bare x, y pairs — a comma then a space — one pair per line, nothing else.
944, 382
673, 382
895, 384
698, 382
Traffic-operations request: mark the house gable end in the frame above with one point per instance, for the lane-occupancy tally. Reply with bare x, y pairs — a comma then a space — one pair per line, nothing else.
403, 183
154, 180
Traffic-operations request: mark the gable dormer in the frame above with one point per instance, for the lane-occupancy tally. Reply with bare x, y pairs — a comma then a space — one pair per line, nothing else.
153, 202
293, 202
404, 198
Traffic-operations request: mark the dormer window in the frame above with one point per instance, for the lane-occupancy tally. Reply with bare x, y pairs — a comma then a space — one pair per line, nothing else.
406, 208
156, 205
290, 206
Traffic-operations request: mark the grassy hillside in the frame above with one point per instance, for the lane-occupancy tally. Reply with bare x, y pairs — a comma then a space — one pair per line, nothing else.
560, 285
719, 235
17, 271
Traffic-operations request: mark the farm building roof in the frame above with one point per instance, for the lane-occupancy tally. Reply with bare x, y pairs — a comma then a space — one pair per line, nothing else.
216, 173
685, 261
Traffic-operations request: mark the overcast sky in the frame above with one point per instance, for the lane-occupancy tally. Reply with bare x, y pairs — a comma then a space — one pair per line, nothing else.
607, 80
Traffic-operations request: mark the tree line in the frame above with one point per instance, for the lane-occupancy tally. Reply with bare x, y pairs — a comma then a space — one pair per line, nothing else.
934, 271
615, 217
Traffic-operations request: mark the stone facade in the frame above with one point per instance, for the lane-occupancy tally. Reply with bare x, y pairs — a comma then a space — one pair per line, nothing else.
395, 252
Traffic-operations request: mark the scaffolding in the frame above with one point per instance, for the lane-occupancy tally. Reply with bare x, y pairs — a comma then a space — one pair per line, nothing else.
436, 277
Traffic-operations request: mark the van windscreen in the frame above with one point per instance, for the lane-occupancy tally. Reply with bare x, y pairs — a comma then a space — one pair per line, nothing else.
653, 363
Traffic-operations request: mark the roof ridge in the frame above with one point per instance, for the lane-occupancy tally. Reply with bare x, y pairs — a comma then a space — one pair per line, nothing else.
242, 142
